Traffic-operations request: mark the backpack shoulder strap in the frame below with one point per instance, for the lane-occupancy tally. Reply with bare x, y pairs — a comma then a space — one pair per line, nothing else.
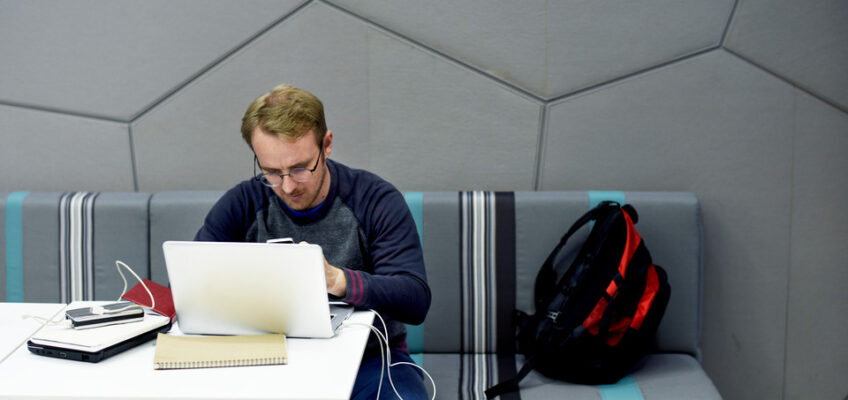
546, 278
511, 385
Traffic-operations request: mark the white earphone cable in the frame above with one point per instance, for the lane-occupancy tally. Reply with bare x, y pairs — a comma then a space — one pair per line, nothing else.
118, 265
386, 357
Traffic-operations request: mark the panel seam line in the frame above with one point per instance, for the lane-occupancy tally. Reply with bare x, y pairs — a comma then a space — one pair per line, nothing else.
633, 74
218, 61
796, 85
428, 49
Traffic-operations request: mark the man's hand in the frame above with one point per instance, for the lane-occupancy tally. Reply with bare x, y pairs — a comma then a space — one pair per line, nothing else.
335, 277
336, 280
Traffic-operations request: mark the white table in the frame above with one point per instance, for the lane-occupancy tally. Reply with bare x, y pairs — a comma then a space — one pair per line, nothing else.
14, 330
316, 369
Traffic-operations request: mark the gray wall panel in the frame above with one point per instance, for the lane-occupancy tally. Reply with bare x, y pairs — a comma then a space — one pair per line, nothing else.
442, 116
816, 354
115, 58
376, 124
44, 151
199, 129
803, 41
722, 129
554, 47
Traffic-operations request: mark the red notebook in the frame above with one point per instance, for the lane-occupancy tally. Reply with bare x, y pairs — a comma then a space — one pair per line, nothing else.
162, 294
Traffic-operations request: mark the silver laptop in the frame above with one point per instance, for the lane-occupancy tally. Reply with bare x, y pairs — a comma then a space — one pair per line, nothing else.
251, 288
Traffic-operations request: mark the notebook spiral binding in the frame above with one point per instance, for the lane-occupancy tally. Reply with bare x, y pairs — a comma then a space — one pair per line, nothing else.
219, 363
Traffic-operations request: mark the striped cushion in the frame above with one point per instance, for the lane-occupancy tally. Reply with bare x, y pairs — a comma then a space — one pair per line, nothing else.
487, 226
468, 241
76, 246
61, 247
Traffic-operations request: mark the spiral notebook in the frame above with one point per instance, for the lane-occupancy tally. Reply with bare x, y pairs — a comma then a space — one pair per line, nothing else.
177, 352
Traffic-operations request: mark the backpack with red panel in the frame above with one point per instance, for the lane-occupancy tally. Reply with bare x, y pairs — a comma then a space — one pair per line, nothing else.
594, 323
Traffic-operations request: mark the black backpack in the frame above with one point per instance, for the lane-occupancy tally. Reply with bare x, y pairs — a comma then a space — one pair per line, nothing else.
595, 323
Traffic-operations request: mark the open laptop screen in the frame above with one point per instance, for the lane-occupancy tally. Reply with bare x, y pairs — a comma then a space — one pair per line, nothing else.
249, 288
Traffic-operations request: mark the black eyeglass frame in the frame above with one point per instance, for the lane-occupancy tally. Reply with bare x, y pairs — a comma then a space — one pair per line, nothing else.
262, 176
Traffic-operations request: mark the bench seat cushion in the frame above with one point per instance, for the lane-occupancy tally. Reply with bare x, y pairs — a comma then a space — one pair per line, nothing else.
660, 376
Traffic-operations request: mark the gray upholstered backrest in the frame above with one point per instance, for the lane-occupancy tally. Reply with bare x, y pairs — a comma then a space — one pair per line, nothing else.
175, 215
482, 252
670, 225
458, 274
120, 233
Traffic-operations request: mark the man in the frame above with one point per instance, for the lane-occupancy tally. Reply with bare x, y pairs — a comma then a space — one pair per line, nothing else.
373, 256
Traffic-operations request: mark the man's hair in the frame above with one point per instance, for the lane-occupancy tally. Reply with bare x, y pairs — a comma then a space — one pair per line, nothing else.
285, 111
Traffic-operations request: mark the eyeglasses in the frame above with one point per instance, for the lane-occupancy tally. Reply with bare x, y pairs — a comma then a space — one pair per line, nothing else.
273, 179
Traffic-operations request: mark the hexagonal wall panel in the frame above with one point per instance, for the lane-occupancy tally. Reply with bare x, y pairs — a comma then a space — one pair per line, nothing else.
463, 131
45, 151
117, 61
802, 41
815, 357
721, 128
386, 102
555, 47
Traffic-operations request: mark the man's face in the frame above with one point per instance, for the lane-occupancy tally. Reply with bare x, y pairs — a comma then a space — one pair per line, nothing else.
282, 155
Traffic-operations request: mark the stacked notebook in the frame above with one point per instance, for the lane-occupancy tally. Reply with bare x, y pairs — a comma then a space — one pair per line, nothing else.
175, 352
95, 344
162, 294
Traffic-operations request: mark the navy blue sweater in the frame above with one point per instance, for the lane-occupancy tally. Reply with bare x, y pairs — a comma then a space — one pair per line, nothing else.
364, 227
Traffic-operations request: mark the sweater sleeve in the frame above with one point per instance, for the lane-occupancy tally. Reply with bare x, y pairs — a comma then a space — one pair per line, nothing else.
398, 287
230, 217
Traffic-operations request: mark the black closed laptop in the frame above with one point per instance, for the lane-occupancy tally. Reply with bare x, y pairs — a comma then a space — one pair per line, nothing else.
95, 344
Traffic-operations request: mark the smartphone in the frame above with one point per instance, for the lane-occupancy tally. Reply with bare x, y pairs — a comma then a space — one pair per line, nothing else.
287, 240
107, 314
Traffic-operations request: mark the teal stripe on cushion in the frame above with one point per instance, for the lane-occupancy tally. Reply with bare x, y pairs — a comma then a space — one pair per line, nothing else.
418, 358
597, 196
625, 389
15, 247
415, 333
415, 202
